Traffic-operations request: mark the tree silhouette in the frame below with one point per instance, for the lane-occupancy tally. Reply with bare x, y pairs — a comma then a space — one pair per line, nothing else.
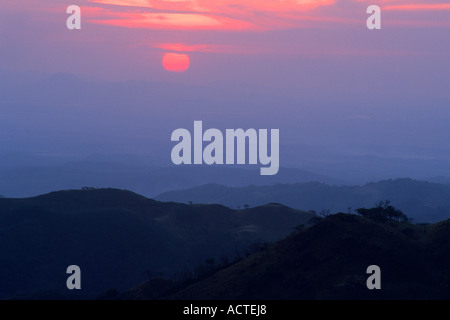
325, 213
383, 211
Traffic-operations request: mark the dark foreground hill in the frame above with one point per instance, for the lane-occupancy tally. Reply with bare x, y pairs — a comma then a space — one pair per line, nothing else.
422, 201
119, 238
329, 261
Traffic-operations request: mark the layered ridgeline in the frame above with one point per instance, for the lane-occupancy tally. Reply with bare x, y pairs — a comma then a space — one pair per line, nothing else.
422, 201
329, 261
119, 238
25, 176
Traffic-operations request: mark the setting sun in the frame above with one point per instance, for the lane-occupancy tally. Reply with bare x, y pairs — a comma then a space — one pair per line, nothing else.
176, 62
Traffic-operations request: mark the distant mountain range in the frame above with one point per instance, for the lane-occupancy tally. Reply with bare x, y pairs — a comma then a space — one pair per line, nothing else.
329, 261
137, 118
119, 239
422, 201
21, 178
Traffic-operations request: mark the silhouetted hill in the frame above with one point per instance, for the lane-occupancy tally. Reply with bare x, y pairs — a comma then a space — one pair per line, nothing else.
422, 201
120, 238
329, 261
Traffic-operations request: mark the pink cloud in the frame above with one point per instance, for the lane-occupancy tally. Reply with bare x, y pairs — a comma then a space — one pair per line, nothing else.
226, 15
419, 7
182, 47
178, 21
243, 15
223, 6
212, 48
250, 16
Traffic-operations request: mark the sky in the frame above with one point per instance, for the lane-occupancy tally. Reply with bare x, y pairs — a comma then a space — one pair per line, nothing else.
308, 67
123, 39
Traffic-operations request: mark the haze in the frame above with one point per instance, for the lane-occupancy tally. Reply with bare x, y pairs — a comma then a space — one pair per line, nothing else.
345, 99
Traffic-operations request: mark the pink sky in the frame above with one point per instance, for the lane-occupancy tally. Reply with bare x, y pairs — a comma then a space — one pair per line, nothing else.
139, 32
310, 68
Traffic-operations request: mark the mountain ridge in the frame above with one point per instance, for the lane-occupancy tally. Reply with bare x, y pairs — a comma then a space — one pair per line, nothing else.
329, 261
421, 200
118, 237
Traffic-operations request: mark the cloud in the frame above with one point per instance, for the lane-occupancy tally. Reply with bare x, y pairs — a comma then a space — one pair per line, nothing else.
249, 16
167, 21
418, 7
222, 7
210, 48
182, 47
226, 15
